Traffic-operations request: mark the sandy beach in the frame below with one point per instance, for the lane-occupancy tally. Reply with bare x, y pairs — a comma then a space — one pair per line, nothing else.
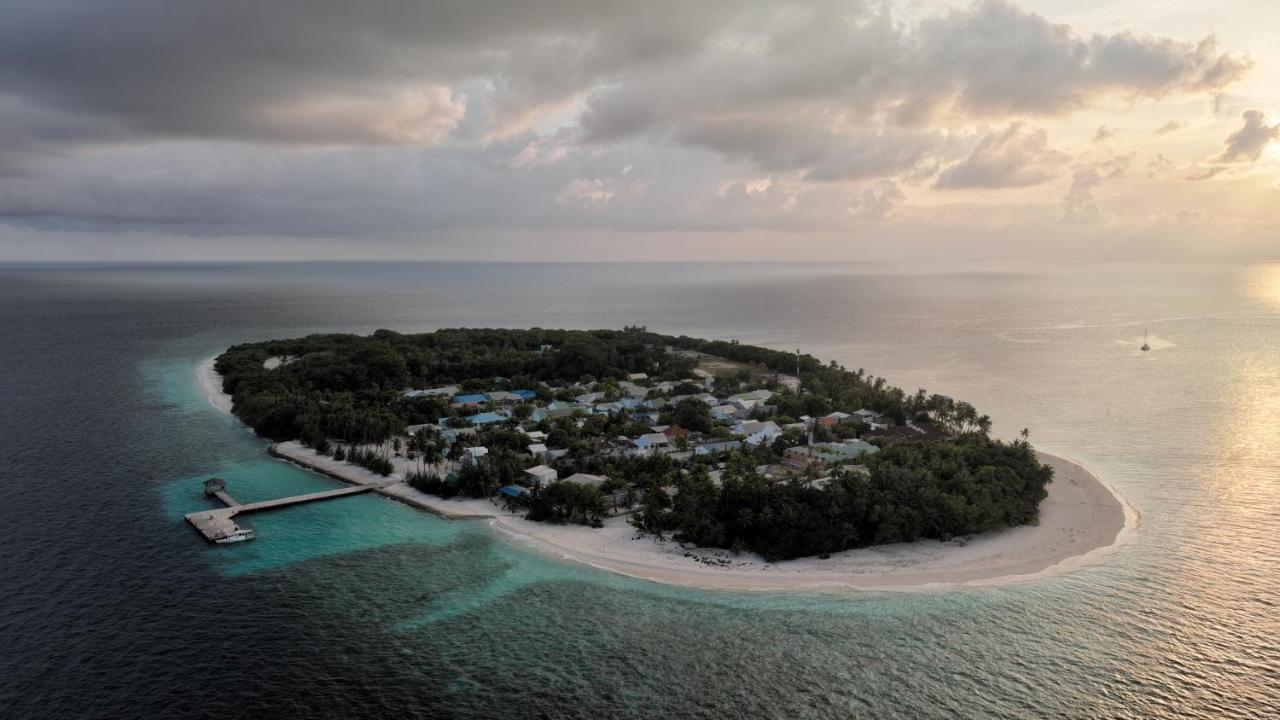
1082, 521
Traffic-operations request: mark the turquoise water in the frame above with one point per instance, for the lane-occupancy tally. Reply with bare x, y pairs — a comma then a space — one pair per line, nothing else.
364, 607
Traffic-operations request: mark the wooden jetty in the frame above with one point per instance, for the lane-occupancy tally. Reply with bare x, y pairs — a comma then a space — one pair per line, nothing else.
217, 526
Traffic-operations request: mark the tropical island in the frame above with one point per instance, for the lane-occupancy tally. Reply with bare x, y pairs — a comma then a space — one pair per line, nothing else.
719, 453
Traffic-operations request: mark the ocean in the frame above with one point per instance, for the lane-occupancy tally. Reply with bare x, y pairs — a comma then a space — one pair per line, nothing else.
111, 607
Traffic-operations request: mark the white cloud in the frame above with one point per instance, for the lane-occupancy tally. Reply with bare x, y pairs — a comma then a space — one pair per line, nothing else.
1016, 156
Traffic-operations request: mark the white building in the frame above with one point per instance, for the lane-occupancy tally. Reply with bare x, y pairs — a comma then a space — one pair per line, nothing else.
540, 474
754, 432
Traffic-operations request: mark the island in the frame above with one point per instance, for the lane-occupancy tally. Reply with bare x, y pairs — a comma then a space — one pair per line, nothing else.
698, 462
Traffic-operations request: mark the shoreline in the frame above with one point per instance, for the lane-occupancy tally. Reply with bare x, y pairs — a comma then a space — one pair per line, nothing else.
1082, 521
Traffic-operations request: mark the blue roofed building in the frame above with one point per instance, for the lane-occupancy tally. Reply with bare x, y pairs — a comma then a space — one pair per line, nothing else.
477, 399
525, 394
486, 418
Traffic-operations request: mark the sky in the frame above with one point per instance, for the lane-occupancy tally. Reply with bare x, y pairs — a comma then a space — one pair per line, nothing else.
665, 130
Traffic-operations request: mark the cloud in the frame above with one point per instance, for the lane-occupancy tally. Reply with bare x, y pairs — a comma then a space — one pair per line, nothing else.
877, 202
1241, 147
1103, 134
311, 117
1170, 127
1159, 165
1247, 143
1080, 206
1013, 157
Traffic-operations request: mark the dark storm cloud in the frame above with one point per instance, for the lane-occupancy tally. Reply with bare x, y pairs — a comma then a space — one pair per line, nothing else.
305, 71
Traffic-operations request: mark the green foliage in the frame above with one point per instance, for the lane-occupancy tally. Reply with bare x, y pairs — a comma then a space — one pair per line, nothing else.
692, 414
567, 502
915, 490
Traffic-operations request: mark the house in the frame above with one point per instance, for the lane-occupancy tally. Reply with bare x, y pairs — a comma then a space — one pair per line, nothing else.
826, 454
589, 398
535, 435
462, 401
446, 391
724, 413
651, 442
755, 432
502, 397
594, 481
486, 418
559, 409
473, 454
525, 395
866, 416
635, 377
515, 492
452, 434
756, 395
554, 454
539, 475
834, 419
715, 448
704, 377
674, 431
538, 450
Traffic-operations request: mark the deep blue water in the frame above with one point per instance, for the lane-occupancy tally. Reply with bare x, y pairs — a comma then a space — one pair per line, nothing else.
111, 607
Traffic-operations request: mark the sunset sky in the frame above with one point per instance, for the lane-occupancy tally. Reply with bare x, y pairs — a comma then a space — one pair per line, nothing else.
660, 130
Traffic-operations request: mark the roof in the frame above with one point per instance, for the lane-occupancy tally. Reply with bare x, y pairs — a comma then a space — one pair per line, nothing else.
585, 479
542, 472
837, 452
524, 394
714, 447
476, 399
751, 427
652, 439
501, 396
537, 448
512, 491
760, 395
485, 418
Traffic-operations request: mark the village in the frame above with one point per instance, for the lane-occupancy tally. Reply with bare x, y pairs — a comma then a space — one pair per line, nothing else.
715, 426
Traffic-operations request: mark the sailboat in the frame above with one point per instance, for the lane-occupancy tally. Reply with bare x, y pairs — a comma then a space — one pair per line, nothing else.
1146, 347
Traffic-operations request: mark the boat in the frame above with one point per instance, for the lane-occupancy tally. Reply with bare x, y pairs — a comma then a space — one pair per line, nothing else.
238, 535
1146, 347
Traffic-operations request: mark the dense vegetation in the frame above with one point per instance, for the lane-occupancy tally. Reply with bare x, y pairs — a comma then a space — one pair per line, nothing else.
913, 490
347, 392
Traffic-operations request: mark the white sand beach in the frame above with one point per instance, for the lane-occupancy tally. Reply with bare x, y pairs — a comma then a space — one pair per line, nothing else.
1081, 522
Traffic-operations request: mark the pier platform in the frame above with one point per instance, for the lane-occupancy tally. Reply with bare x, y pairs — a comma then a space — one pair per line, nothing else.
218, 526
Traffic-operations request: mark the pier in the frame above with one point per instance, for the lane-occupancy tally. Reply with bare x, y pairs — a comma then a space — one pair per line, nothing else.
218, 526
